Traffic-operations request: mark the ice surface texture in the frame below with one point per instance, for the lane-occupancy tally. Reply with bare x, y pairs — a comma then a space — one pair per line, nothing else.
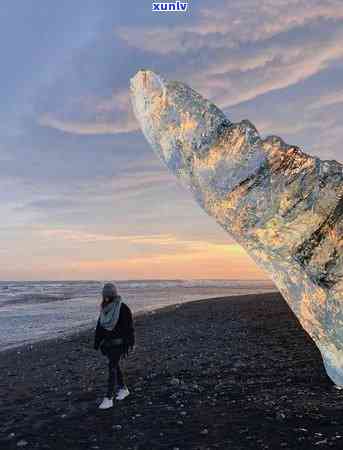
283, 206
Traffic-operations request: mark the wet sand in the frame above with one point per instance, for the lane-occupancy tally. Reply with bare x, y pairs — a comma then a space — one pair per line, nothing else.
226, 373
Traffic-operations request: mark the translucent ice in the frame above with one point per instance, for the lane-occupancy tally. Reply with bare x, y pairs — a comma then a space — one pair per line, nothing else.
282, 205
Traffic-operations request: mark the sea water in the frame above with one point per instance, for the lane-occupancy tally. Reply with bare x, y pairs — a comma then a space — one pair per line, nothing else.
31, 311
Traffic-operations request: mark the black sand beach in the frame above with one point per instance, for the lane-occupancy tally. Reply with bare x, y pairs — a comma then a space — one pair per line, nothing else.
226, 373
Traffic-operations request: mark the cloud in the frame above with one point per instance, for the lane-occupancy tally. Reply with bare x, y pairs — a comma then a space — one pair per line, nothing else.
99, 192
227, 53
329, 99
87, 128
243, 76
231, 23
237, 51
181, 264
228, 78
149, 255
162, 240
94, 116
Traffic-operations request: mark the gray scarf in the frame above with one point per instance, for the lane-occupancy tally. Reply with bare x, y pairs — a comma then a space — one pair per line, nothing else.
110, 314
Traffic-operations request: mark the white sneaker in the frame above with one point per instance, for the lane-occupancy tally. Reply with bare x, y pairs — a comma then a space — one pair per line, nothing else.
122, 393
336, 386
106, 403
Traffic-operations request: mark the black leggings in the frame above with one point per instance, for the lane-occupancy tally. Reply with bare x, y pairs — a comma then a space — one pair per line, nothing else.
115, 376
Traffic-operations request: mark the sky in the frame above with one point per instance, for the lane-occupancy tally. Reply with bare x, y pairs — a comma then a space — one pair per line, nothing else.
82, 195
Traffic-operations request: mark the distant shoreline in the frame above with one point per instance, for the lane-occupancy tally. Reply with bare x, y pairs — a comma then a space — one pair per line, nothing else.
133, 280
85, 327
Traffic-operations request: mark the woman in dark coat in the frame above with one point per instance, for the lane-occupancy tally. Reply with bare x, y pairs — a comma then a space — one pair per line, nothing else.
115, 336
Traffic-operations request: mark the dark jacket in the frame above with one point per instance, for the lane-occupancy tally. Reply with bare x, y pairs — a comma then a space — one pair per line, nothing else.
124, 329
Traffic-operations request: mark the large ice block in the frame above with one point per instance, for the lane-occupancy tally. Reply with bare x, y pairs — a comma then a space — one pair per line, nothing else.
283, 206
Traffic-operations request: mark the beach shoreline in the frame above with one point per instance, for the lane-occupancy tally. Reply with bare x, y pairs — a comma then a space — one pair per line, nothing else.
227, 372
88, 326
34, 311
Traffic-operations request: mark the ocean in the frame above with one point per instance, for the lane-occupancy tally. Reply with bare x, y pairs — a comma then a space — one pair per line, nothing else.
31, 311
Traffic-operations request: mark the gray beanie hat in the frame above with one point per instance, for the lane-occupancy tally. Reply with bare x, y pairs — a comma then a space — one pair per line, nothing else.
109, 290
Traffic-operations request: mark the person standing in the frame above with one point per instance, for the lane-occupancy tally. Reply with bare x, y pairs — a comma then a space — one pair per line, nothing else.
115, 336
